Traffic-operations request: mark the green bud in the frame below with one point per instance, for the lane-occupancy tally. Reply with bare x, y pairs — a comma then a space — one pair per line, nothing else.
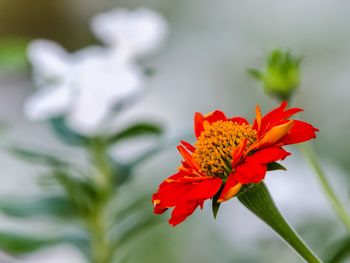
281, 75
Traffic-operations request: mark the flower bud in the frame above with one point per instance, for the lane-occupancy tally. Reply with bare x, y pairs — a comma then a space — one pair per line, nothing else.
281, 76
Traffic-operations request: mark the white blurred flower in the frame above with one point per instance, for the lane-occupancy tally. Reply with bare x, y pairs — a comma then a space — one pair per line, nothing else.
136, 32
85, 86
82, 86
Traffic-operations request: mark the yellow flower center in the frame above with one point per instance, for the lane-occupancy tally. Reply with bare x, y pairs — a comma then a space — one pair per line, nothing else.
215, 145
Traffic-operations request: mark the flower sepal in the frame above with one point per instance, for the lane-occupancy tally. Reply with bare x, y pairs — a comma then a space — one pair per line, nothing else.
275, 166
257, 198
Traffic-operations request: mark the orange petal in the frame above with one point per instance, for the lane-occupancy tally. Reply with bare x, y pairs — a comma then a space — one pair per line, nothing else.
198, 123
258, 117
188, 157
188, 146
274, 134
237, 152
230, 193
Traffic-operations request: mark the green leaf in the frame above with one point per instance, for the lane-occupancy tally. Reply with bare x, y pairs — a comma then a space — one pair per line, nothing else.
20, 243
215, 204
139, 129
127, 208
83, 193
66, 134
134, 227
339, 251
121, 172
215, 208
53, 206
16, 243
35, 156
255, 73
275, 166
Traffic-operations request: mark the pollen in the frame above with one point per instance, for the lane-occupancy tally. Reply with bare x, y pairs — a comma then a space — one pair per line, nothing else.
216, 143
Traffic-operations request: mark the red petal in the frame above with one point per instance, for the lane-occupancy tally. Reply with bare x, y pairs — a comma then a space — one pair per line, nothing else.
182, 211
170, 194
274, 135
211, 117
198, 124
248, 173
239, 120
268, 155
274, 117
300, 132
215, 116
188, 146
205, 189
188, 157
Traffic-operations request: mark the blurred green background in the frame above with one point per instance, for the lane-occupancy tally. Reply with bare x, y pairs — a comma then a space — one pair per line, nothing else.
202, 67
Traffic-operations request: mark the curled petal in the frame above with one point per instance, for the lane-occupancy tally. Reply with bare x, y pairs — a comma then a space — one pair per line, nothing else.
257, 122
188, 146
188, 157
238, 152
300, 132
274, 135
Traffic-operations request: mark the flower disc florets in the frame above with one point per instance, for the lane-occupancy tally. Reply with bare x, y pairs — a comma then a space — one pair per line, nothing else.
215, 145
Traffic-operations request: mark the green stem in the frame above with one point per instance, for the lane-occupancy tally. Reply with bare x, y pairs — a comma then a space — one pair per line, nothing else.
101, 250
99, 155
333, 199
259, 201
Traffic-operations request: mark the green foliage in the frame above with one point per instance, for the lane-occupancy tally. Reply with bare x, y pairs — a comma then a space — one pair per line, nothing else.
139, 129
215, 204
35, 156
275, 166
50, 206
66, 134
81, 192
88, 198
18, 243
339, 251
132, 225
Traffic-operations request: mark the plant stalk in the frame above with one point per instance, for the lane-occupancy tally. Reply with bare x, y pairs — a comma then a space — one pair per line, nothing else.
337, 206
259, 201
101, 250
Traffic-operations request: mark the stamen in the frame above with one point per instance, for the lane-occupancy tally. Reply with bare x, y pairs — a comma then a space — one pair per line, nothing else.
215, 145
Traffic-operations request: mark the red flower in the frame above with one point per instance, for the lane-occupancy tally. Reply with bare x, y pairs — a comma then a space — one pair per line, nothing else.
229, 153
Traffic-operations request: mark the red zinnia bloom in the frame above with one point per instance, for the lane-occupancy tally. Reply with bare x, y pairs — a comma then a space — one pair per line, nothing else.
229, 153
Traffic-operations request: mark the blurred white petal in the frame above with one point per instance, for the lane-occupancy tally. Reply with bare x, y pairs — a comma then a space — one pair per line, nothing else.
102, 85
50, 61
140, 31
52, 101
85, 86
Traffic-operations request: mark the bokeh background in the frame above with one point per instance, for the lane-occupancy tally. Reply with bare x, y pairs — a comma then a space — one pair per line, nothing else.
201, 67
